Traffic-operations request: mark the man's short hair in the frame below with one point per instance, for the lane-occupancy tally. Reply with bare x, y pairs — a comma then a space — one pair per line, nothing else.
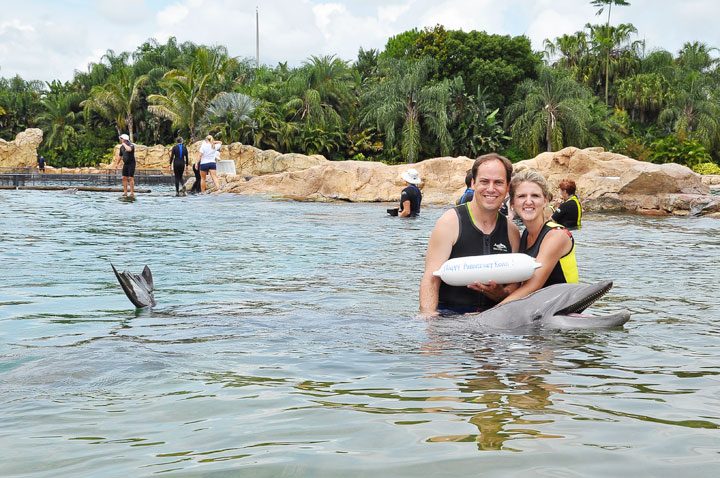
468, 177
493, 157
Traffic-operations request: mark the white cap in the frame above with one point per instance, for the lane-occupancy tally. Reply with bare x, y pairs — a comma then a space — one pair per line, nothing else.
125, 137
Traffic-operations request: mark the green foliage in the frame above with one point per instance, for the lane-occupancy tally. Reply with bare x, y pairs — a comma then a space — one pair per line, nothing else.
634, 147
552, 111
706, 168
229, 115
406, 105
494, 64
673, 149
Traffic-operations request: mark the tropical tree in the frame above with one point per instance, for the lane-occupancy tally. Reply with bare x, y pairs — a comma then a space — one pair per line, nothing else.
553, 110
405, 106
692, 111
189, 90
118, 99
322, 90
615, 51
601, 4
229, 114
61, 117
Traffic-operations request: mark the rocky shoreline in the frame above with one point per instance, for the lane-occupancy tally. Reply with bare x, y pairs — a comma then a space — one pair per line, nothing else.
606, 181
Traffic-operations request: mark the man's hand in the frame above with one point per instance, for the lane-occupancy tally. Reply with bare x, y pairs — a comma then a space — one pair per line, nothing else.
492, 290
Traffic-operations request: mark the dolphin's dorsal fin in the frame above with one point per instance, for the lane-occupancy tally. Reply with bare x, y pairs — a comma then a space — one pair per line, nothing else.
147, 275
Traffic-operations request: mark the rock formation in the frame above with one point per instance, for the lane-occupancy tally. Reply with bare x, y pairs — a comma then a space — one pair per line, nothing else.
249, 161
359, 181
22, 151
606, 182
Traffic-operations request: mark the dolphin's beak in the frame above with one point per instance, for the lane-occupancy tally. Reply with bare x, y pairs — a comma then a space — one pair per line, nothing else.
587, 299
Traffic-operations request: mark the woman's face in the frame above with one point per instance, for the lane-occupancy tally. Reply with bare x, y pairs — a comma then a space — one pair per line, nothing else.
564, 195
529, 201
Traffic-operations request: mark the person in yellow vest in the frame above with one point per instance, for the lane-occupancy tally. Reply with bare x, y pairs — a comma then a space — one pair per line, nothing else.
569, 213
550, 243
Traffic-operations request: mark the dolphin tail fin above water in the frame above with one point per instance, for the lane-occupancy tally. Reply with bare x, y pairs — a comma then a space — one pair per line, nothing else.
137, 287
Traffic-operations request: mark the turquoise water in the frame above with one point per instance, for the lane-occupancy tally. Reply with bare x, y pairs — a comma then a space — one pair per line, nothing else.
284, 343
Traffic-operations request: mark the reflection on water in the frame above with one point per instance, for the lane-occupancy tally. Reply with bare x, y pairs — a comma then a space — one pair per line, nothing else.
285, 343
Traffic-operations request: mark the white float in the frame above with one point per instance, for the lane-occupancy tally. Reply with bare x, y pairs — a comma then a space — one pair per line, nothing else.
501, 268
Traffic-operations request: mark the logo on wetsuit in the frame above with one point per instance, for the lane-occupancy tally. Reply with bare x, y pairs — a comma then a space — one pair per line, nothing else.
499, 247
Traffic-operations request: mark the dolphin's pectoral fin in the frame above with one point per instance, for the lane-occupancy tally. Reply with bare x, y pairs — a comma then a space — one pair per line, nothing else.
137, 287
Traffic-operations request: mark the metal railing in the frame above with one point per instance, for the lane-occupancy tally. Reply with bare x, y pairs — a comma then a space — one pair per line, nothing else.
30, 176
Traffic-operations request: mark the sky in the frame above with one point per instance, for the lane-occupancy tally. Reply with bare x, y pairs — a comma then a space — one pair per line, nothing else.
51, 39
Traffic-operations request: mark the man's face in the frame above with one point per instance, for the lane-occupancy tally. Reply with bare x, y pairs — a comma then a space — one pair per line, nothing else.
490, 185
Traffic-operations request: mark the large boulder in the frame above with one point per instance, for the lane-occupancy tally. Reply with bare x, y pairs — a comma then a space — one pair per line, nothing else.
613, 182
22, 151
359, 181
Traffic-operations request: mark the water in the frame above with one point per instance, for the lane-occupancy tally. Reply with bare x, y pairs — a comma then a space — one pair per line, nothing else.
284, 343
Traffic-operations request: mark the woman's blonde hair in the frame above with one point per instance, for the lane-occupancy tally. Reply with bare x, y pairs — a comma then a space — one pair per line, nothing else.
209, 138
529, 176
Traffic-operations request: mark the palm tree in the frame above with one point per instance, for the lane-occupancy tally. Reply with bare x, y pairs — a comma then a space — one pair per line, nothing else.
230, 114
61, 116
692, 110
117, 99
601, 4
643, 95
554, 110
614, 46
189, 90
406, 104
321, 91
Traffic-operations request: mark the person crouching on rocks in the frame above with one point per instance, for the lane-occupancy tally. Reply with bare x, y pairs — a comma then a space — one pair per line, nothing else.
410, 197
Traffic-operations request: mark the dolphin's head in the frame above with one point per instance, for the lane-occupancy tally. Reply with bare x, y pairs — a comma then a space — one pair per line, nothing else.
555, 306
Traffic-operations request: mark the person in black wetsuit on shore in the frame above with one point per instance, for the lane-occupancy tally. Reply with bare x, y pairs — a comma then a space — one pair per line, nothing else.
179, 161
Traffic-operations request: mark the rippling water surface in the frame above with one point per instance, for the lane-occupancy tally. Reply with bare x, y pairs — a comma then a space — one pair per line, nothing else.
284, 343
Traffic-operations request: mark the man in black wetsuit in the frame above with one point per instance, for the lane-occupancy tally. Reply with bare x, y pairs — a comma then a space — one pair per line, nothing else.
471, 229
179, 161
410, 197
127, 154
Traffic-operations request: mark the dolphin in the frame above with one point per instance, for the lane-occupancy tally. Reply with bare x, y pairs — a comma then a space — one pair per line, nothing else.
138, 287
557, 306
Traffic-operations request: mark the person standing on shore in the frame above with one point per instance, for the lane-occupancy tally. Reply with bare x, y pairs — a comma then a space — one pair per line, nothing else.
207, 157
127, 154
179, 160
41, 163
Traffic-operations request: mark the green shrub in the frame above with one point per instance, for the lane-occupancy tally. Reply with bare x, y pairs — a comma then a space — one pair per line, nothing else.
672, 149
633, 147
706, 168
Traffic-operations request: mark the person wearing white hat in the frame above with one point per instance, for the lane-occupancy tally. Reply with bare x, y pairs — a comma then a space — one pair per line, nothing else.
127, 154
410, 197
